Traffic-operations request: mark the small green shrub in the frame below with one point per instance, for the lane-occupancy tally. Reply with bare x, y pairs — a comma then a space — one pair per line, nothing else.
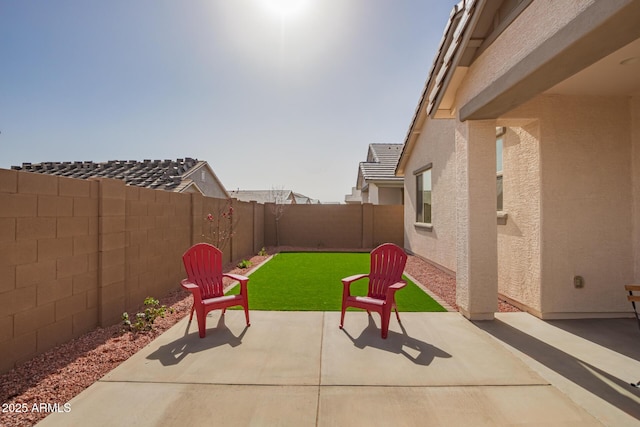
262, 252
144, 321
244, 264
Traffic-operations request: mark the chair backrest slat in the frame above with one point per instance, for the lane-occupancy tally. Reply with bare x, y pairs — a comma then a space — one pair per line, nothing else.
387, 265
203, 265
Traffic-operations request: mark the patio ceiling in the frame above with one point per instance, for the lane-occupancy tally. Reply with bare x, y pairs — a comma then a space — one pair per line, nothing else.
615, 75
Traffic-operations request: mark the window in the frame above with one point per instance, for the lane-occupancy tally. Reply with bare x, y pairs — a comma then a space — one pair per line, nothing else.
423, 194
500, 131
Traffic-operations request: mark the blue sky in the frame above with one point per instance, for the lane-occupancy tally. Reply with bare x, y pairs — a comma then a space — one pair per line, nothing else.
272, 93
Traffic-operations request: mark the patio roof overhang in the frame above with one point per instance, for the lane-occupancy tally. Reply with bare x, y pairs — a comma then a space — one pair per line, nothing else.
585, 51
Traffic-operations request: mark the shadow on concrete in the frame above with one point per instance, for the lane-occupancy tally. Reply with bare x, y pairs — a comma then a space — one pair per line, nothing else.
419, 352
190, 343
598, 382
619, 335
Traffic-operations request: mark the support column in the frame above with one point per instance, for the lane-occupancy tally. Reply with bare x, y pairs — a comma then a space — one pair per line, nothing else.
476, 232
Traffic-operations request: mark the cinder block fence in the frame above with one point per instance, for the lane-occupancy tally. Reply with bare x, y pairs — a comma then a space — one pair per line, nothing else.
75, 254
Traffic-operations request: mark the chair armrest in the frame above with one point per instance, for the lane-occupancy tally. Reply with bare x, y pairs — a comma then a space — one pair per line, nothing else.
348, 280
187, 285
191, 287
398, 285
237, 277
346, 284
391, 290
243, 280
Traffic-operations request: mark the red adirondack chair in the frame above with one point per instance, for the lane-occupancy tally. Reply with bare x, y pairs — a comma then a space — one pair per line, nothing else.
203, 263
385, 278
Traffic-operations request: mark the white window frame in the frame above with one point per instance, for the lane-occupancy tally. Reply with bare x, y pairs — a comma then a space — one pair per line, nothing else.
500, 132
420, 211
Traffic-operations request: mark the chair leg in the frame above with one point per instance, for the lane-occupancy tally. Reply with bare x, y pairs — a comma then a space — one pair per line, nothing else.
342, 317
202, 323
397, 314
193, 307
384, 330
246, 313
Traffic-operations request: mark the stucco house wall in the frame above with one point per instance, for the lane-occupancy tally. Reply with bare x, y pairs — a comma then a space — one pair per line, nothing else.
568, 182
635, 170
571, 160
584, 179
384, 195
390, 195
519, 235
435, 146
568, 195
586, 203
372, 194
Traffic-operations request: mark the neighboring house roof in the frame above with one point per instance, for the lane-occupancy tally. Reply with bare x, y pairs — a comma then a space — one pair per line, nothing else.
380, 165
170, 175
269, 196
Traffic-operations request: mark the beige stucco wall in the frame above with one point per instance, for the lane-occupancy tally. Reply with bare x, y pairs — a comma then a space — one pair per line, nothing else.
586, 207
476, 229
435, 145
635, 142
380, 194
519, 236
586, 203
571, 181
389, 195
372, 194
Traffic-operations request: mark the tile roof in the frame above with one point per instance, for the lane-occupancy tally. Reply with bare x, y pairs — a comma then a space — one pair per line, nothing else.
156, 174
260, 196
381, 162
268, 196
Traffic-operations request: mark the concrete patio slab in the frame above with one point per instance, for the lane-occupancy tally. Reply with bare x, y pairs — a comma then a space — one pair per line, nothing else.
591, 360
277, 348
428, 349
108, 404
450, 406
438, 369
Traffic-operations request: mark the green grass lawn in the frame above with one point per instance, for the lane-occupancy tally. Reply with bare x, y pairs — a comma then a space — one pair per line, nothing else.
310, 281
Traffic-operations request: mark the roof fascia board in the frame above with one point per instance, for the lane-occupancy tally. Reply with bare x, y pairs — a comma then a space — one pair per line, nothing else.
398, 182
420, 115
602, 28
462, 34
192, 184
360, 178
